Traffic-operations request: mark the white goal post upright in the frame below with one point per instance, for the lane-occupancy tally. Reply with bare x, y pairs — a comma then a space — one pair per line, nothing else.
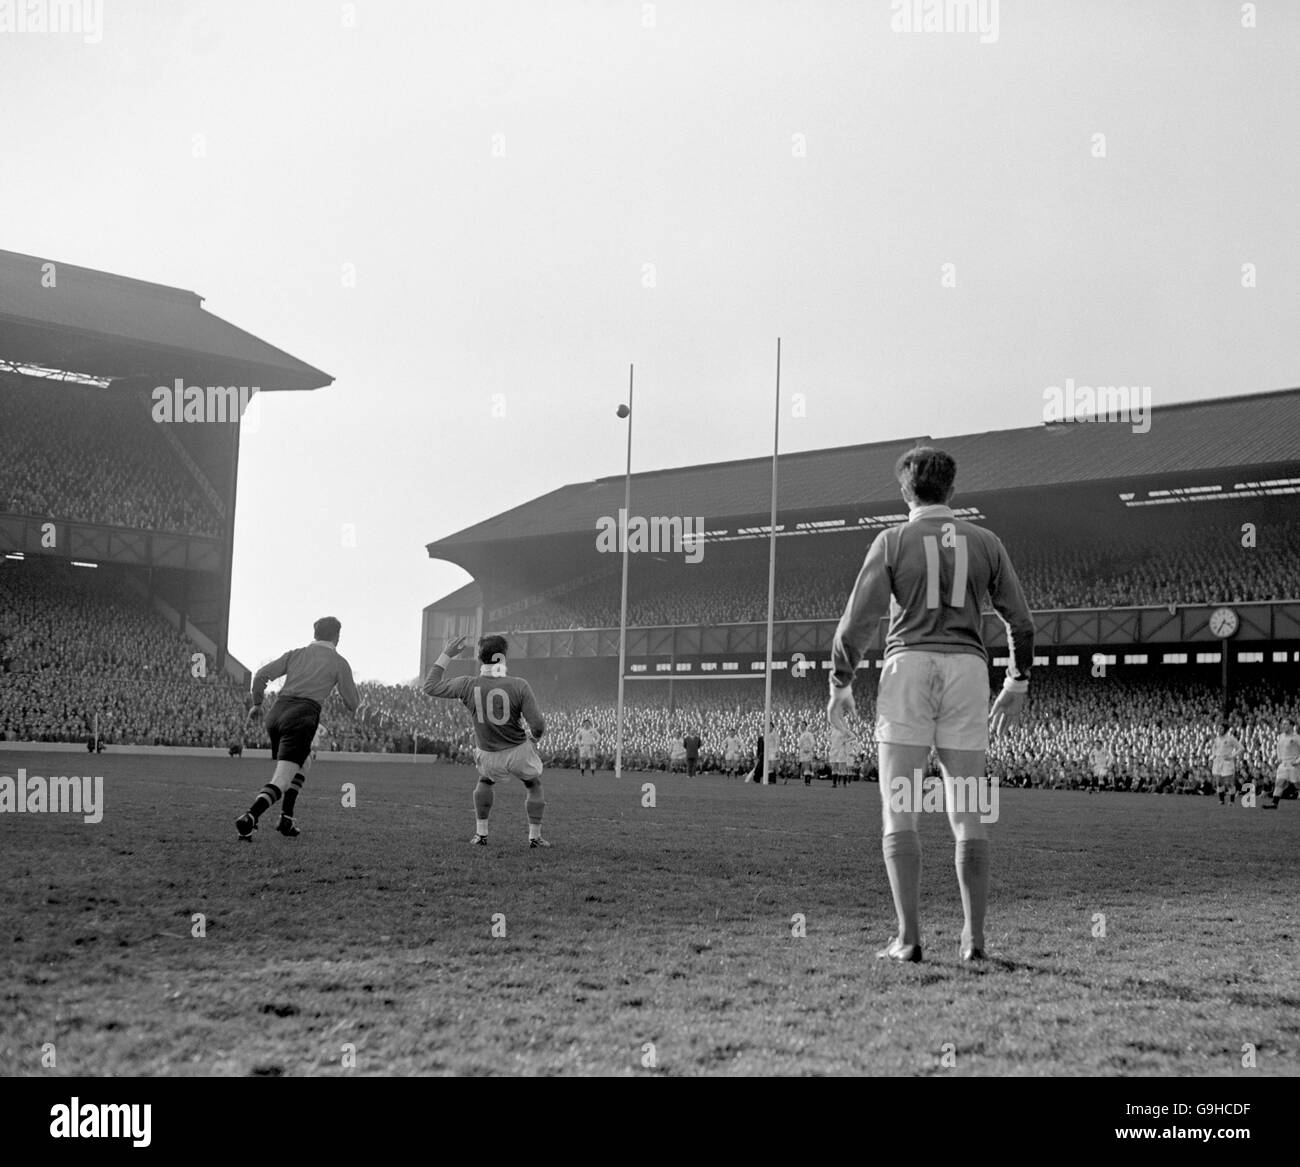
622, 619
771, 581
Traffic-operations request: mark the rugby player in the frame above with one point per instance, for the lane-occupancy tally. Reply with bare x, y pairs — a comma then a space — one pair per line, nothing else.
311, 674
507, 725
930, 575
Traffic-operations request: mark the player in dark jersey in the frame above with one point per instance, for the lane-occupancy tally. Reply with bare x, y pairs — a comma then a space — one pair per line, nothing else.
930, 575
311, 674
507, 724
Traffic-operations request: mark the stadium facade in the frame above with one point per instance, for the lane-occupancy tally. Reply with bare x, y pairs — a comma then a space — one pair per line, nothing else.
1128, 543
121, 404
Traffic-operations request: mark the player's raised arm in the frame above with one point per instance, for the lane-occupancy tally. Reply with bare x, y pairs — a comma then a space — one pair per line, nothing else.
434, 684
271, 671
868, 602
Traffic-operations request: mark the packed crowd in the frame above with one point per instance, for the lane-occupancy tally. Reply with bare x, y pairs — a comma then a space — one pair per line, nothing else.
80, 652
1159, 564
83, 655
396, 719
1157, 729
1162, 563
125, 473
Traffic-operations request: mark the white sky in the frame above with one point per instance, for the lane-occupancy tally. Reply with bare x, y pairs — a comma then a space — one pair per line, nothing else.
672, 145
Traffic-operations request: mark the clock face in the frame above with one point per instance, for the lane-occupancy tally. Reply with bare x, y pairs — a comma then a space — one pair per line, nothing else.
1223, 622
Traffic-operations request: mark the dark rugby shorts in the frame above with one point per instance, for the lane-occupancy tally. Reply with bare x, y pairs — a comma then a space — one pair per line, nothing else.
291, 726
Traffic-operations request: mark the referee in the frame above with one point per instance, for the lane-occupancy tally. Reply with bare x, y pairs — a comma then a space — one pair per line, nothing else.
310, 673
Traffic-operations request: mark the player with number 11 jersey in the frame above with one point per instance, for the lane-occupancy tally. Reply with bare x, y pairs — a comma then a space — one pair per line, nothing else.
932, 574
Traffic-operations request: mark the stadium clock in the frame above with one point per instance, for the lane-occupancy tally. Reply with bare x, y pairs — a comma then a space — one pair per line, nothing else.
1224, 622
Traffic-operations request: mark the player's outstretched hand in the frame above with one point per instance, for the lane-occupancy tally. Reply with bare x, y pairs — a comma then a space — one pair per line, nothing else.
839, 707
454, 647
1006, 711
254, 712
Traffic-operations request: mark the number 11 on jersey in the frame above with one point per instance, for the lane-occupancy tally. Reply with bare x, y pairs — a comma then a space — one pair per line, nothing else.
961, 561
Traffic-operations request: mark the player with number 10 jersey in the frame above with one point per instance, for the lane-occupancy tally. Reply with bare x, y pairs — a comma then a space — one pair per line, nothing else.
507, 723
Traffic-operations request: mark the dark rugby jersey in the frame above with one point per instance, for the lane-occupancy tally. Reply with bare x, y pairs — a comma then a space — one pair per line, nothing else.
931, 575
310, 672
500, 705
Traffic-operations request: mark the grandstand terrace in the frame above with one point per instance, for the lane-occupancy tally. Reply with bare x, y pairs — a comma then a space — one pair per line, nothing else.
116, 529
1125, 541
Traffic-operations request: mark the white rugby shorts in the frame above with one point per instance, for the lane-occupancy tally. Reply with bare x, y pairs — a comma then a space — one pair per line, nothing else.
934, 699
521, 761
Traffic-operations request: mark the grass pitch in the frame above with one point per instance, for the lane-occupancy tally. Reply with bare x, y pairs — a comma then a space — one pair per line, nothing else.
645, 941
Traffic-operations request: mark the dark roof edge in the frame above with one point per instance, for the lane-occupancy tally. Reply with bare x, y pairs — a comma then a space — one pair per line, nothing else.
107, 277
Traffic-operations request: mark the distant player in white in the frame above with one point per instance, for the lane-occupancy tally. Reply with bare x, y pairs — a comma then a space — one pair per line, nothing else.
731, 751
588, 739
1226, 753
806, 747
773, 747
1288, 761
839, 756
1100, 759
676, 755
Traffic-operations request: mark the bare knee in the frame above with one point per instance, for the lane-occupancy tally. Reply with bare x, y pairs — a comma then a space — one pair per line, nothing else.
897, 805
967, 825
894, 822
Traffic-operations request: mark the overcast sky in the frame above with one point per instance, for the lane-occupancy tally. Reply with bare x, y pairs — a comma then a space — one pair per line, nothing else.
475, 216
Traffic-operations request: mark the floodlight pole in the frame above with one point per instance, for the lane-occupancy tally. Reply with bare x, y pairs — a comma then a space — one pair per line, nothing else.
771, 581
624, 519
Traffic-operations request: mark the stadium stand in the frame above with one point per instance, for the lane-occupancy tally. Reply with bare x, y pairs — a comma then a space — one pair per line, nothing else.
75, 642
90, 476
78, 642
126, 474
1159, 563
